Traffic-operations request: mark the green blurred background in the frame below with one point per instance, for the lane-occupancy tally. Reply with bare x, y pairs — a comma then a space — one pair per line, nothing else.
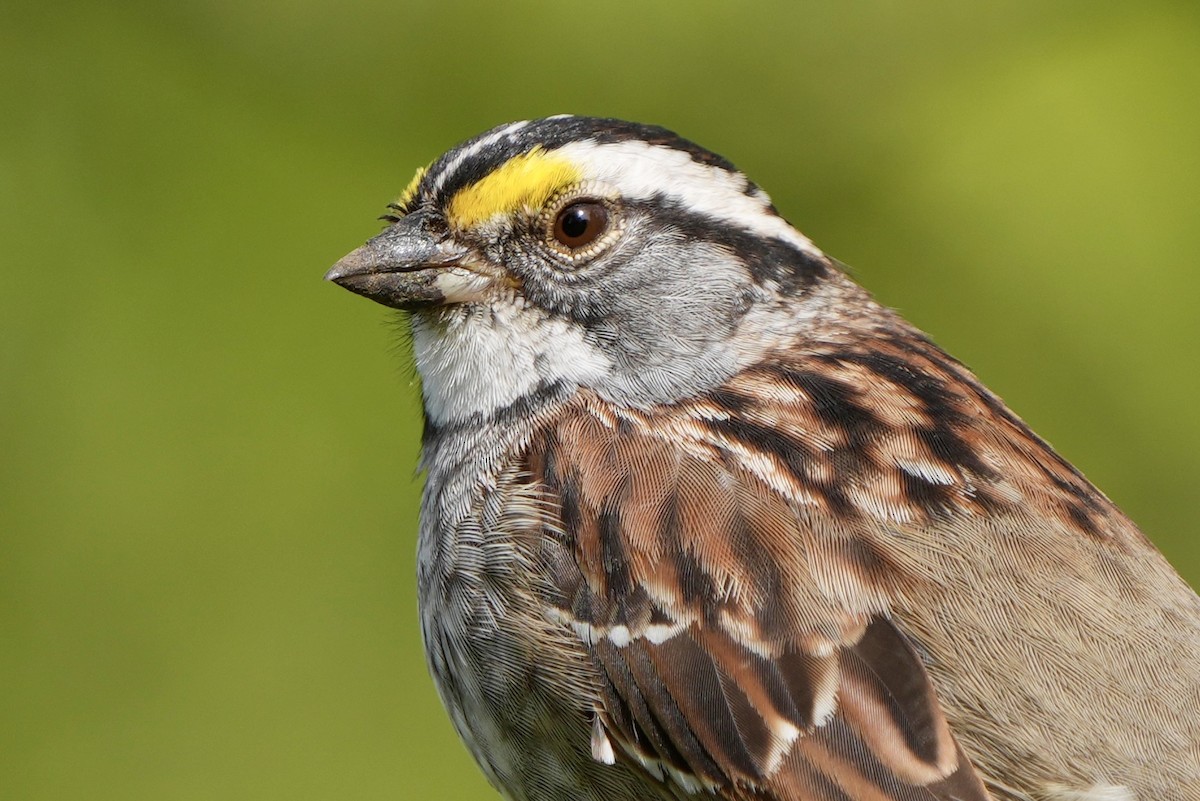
207, 490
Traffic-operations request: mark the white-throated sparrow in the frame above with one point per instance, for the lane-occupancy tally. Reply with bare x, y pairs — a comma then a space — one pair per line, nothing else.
702, 519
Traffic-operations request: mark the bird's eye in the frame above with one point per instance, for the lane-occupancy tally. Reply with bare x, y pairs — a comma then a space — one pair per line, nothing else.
580, 224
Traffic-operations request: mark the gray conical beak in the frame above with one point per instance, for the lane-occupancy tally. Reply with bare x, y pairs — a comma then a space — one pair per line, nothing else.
400, 267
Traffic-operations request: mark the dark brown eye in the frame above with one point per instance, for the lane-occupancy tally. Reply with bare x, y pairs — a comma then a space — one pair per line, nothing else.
580, 223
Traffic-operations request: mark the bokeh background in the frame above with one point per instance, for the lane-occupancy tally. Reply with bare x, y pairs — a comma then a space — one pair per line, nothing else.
207, 488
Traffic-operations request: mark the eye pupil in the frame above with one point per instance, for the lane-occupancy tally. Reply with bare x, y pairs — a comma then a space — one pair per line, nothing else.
580, 224
575, 223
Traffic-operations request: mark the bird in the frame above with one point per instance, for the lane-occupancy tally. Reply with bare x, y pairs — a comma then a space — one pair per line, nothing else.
703, 520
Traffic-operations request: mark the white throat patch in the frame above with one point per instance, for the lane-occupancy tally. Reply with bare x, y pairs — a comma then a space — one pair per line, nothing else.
478, 360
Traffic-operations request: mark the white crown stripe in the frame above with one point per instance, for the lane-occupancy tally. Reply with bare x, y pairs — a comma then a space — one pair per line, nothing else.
640, 170
451, 167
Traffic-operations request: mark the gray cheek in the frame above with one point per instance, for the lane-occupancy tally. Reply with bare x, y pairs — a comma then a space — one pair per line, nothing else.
664, 309
684, 295
668, 317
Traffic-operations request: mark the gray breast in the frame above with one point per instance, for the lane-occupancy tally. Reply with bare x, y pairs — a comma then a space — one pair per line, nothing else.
518, 686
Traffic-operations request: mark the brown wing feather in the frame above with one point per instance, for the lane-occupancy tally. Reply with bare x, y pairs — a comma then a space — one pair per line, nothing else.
740, 647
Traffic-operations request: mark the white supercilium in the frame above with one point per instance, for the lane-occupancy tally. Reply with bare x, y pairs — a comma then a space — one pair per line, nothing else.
639, 170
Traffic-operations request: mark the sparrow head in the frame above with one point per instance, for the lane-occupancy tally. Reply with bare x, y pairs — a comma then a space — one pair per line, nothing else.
584, 252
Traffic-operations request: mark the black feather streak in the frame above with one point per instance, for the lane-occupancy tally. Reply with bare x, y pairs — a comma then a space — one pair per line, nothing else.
613, 558
892, 666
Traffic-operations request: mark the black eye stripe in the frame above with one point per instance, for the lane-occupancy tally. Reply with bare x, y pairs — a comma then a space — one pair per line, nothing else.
767, 258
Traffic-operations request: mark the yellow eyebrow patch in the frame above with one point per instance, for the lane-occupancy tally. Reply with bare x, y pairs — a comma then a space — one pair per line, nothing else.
523, 182
410, 191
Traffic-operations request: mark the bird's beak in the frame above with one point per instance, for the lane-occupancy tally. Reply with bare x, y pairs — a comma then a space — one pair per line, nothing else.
400, 267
